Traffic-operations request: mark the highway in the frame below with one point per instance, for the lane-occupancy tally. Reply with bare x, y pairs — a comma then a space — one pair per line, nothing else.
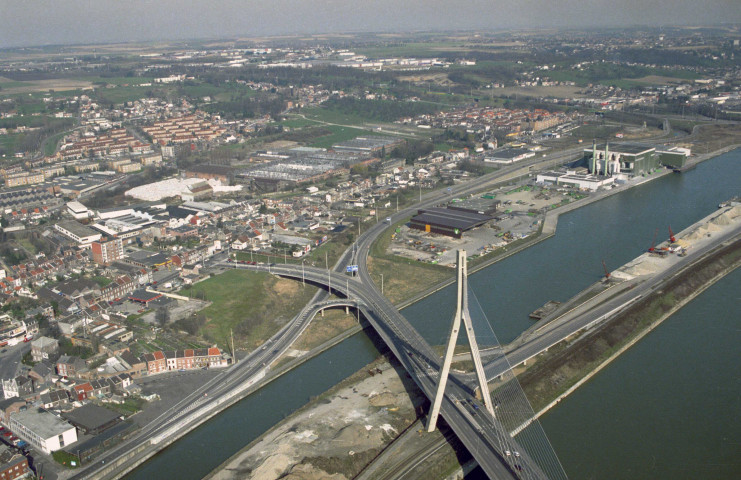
229, 383
483, 435
252, 369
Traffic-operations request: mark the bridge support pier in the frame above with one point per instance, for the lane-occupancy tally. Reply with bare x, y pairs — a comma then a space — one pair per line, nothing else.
461, 313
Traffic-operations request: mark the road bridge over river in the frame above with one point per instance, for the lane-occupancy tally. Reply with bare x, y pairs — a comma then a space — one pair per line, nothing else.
484, 436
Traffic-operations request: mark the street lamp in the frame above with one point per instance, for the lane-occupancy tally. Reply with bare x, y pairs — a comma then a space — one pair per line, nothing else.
303, 277
382, 284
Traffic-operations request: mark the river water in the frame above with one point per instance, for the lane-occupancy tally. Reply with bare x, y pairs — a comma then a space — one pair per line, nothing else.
616, 229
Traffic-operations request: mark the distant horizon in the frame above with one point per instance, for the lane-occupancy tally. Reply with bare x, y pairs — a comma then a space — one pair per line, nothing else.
406, 34
43, 23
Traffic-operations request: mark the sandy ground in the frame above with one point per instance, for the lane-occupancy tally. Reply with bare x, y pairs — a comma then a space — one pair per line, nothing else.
696, 235
345, 430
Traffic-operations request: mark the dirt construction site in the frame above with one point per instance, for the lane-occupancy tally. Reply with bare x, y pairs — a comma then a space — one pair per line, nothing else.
338, 435
520, 212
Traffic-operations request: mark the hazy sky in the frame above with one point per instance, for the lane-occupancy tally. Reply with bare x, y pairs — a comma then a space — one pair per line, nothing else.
42, 22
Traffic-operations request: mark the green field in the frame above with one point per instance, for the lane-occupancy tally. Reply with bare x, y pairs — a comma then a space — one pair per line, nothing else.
411, 49
298, 122
7, 144
620, 75
50, 146
253, 305
332, 116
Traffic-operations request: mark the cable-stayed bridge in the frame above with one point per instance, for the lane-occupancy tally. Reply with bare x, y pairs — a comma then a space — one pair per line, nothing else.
506, 444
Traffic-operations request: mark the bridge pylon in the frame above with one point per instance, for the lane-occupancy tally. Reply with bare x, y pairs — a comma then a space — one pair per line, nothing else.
461, 313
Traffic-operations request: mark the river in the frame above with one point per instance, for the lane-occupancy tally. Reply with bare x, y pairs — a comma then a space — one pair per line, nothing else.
616, 229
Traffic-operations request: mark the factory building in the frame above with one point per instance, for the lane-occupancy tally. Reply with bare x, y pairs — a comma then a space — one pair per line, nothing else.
632, 159
626, 160
368, 145
481, 206
446, 221
571, 178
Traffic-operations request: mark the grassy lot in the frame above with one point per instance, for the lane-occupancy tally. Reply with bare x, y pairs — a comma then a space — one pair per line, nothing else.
50, 146
101, 280
7, 143
298, 122
122, 94
333, 116
333, 323
26, 243
621, 76
253, 305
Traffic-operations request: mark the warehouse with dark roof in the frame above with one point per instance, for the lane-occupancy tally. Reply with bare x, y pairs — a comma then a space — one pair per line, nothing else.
445, 221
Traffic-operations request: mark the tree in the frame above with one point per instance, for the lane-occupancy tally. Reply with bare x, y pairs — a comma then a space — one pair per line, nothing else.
162, 315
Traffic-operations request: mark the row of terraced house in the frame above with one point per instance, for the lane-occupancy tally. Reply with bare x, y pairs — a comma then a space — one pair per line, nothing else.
188, 359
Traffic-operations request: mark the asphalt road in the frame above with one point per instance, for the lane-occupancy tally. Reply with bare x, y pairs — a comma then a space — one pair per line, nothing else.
253, 367
10, 359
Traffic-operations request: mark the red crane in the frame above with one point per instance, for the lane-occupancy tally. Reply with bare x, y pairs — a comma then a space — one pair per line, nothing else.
672, 238
652, 248
607, 274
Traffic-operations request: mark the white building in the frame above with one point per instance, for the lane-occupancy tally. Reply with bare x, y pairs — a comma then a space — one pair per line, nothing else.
78, 210
43, 430
78, 232
572, 179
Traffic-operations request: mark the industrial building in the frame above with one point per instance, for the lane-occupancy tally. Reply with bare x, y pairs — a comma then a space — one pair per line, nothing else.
481, 206
446, 221
287, 169
570, 178
508, 156
222, 173
78, 232
92, 419
631, 159
367, 145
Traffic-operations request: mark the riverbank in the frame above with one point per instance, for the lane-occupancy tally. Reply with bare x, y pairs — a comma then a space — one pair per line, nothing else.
585, 343
338, 433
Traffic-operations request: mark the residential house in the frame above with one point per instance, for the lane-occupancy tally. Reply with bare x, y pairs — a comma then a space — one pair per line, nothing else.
44, 348
70, 366
57, 399
19, 386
